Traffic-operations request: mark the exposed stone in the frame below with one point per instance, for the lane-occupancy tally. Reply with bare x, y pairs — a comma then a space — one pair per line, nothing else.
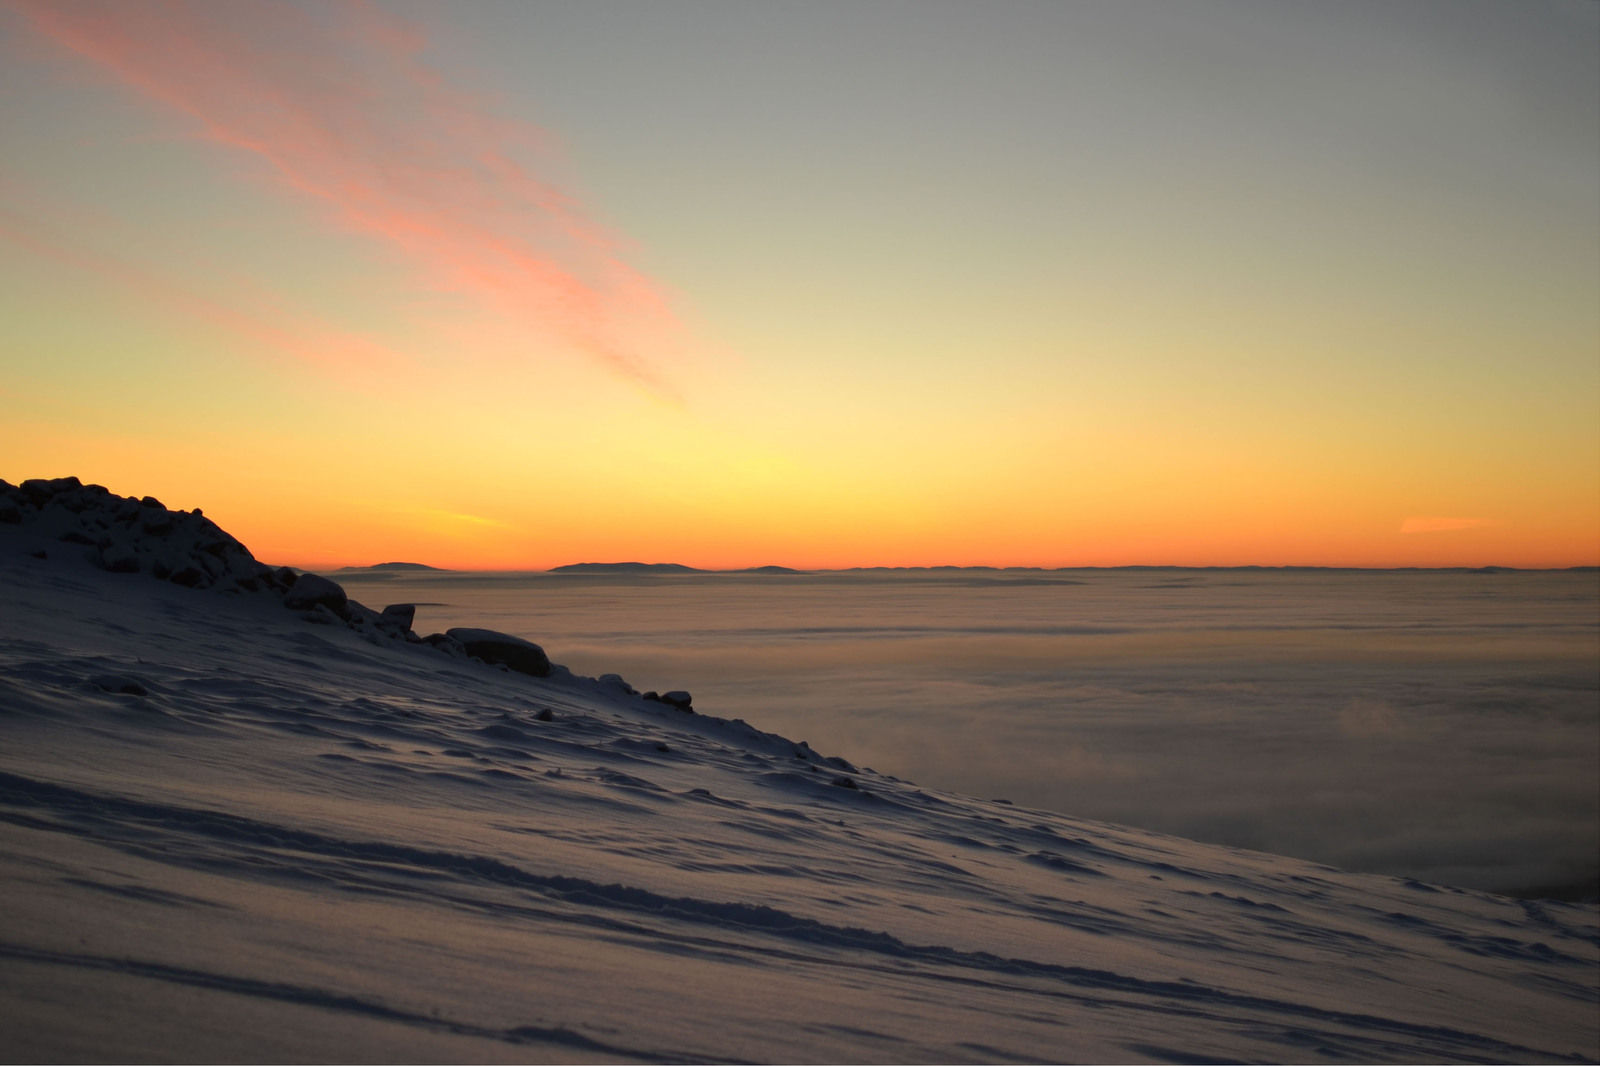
359, 615
314, 590
189, 577
448, 645
679, 699
37, 490
397, 617
616, 681
520, 655
120, 560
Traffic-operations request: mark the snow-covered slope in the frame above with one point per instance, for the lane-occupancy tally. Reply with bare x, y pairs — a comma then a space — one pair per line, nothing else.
230, 832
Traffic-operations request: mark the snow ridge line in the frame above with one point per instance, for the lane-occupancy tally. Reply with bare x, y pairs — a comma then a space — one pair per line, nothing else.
89, 810
337, 1001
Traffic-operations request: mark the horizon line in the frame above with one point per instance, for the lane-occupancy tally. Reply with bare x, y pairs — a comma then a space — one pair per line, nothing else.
578, 569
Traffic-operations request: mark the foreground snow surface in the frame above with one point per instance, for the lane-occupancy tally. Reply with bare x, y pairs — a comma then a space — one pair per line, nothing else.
304, 843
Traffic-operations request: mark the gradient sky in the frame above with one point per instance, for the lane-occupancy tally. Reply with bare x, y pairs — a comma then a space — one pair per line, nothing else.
512, 285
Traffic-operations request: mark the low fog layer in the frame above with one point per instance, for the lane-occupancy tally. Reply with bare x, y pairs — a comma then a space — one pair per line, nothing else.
1426, 724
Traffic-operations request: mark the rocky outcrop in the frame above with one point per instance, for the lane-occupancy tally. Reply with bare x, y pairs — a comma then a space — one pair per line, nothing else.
514, 653
312, 590
397, 617
126, 535
57, 519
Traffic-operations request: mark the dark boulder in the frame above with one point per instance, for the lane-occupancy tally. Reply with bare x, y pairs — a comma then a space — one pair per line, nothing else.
679, 699
37, 490
120, 559
313, 590
520, 655
40, 491
190, 577
397, 617
616, 681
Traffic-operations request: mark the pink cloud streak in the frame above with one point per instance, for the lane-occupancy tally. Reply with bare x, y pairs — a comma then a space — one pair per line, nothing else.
337, 352
336, 99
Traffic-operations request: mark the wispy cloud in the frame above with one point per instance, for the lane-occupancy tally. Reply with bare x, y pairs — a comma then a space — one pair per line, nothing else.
453, 518
1441, 525
337, 99
338, 352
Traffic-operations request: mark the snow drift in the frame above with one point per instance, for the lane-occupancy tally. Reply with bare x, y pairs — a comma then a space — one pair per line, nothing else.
241, 821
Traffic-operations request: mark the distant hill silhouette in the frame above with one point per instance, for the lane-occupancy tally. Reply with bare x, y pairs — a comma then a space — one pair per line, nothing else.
627, 568
664, 568
679, 568
395, 566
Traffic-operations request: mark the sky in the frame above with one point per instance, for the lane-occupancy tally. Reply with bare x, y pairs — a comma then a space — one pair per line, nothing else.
506, 286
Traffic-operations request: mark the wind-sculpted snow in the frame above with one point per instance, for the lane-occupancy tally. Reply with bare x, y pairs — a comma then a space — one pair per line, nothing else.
228, 832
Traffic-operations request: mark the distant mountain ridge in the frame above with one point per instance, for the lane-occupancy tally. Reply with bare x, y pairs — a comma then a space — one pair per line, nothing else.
396, 566
663, 568
627, 568
680, 568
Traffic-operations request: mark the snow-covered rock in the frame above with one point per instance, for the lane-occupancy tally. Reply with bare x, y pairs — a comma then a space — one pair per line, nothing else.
125, 535
503, 649
313, 590
398, 617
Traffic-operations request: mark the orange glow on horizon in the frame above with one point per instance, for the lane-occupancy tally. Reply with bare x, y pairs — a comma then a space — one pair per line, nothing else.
281, 261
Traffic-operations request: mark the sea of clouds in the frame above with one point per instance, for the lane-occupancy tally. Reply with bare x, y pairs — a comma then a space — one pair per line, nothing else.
1439, 725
